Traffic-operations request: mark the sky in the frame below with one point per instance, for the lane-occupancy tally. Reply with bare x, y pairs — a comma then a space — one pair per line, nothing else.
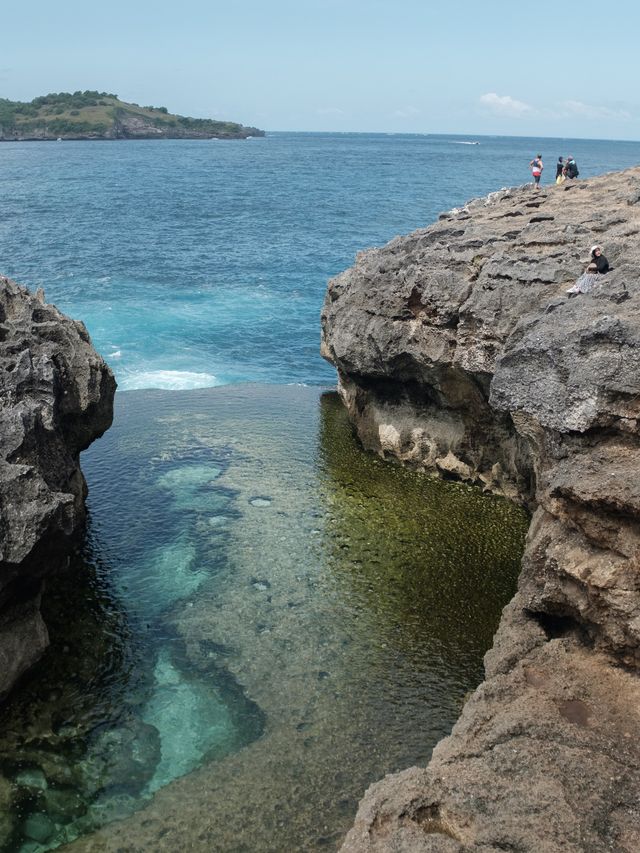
535, 69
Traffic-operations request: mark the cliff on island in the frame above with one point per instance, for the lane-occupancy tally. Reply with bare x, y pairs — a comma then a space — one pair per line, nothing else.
56, 397
459, 352
101, 115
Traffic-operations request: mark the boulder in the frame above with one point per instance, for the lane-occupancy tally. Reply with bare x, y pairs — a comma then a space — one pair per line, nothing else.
56, 397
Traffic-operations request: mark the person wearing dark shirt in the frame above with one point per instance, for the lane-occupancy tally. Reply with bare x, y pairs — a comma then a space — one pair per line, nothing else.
599, 260
559, 167
598, 265
571, 168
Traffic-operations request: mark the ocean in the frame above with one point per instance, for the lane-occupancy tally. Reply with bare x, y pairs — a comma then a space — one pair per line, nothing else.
263, 619
202, 263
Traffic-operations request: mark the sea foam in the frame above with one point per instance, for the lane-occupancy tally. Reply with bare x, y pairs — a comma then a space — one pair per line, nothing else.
170, 380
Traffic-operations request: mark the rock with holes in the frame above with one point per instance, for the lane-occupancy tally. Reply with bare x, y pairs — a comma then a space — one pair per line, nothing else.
459, 352
56, 397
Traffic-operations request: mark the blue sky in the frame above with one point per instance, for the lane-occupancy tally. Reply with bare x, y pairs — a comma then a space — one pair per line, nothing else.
536, 69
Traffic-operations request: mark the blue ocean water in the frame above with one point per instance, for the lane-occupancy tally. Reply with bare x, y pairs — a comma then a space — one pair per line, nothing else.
198, 263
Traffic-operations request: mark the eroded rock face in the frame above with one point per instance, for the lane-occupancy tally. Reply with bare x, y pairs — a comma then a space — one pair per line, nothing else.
56, 397
459, 352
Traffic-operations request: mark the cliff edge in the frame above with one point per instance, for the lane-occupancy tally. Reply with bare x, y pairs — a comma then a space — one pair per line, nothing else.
459, 352
56, 397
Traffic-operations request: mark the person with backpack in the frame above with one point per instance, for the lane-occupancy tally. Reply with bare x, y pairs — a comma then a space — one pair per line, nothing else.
536, 170
571, 168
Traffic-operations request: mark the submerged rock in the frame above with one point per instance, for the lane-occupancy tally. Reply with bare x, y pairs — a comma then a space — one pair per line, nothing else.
7, 820
56, 397
64, 804
38, 827
124, 757
460, 353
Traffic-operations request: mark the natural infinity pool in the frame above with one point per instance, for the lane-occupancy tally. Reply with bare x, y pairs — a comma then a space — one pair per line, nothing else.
263, 621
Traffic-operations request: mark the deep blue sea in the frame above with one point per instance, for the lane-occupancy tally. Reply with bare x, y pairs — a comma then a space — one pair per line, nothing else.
199, 263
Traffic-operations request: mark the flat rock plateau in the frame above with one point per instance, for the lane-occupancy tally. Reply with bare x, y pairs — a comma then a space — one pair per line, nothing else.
56, 397
459, 352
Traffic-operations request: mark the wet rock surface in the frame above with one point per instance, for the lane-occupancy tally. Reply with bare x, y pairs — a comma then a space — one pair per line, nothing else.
56, 397
459, 352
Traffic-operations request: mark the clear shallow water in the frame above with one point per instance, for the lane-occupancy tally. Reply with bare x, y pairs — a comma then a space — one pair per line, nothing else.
197, 263
260, 606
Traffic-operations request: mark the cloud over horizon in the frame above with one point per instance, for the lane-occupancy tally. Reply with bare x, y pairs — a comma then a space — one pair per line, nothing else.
505, 105
594, 112
407, 112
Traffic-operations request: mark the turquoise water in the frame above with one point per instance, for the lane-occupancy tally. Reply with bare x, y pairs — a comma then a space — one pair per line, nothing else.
198, 263
264, 621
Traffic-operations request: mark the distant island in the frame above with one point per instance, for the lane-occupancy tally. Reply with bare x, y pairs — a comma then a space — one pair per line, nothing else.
101, 115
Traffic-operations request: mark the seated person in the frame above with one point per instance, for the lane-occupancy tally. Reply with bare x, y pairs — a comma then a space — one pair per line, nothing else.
598, 265
599, 260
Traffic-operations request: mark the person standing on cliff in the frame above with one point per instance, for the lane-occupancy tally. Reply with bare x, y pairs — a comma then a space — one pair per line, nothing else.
560, 176
571, 168
536, 170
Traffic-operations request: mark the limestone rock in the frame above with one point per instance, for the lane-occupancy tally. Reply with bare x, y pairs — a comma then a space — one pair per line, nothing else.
56, 397
459, 352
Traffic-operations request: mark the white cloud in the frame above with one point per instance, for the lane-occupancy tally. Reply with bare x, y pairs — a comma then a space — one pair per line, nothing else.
505, 105
578, 108
407, 112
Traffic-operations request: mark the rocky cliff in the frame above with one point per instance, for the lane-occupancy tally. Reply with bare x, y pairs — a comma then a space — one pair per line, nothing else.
459, 352
56, 397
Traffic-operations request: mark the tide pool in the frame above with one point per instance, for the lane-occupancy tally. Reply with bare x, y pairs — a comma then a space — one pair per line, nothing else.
264, 620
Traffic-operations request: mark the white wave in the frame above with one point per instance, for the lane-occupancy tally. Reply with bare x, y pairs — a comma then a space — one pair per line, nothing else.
116, 354
460, 142
170, 380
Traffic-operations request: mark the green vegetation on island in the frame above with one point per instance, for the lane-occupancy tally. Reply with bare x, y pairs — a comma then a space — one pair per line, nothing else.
102, 115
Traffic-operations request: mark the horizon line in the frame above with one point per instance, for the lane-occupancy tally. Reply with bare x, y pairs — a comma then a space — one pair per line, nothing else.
456, 133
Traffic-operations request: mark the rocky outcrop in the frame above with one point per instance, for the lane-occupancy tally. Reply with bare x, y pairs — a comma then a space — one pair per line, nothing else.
56, 397
459, 352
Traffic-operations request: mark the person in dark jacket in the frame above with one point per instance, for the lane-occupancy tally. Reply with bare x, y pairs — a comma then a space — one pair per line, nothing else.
571, 168
559, 167
598, 263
